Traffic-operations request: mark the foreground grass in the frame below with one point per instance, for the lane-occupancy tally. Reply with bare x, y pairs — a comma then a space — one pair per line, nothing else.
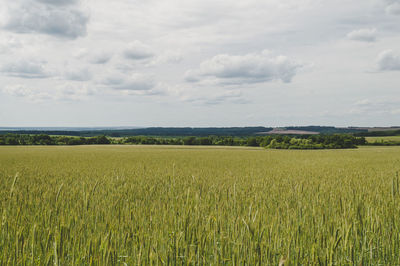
187, 205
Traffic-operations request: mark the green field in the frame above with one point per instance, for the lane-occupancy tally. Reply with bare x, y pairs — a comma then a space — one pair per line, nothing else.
144, 205
379, 139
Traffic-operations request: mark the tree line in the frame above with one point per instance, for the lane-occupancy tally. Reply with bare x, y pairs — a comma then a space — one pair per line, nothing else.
342, 141
383, 133
336, 141
43, 139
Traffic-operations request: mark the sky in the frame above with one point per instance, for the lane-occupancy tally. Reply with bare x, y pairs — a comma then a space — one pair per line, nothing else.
199, 63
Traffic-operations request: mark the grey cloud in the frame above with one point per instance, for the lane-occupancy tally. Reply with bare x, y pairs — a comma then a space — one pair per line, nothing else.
388, 61
79, 74
393, 7
171, 57
363, 35
25, 69
72, 92
138, 51
100, 58
136, 82
250, 68
232, 96
65, 22
59, 2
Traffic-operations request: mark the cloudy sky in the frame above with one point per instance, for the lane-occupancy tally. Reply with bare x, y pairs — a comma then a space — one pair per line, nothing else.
199, 62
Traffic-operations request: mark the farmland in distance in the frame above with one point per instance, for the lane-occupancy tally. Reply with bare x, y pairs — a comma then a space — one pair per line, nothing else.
383, 139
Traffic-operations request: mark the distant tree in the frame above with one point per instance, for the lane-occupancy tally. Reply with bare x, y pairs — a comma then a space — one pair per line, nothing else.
252, 141
76, 141
11, 139
102, 140
189, 141
205, 141
273, 144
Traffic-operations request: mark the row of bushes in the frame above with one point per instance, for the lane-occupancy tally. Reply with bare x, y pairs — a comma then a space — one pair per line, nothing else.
341, 141
42, 139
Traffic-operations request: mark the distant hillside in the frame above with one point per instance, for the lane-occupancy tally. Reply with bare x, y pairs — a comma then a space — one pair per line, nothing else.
377, 129
379, 133
153, 131
326, 129
185, 131
311, 130
279, 131
48, 129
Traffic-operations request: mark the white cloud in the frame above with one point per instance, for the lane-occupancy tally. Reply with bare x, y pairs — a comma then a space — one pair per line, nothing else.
42, 17
100, 58
202, 96
242, 69
17, 90
169, 57
63, 92
23, 91
78, 74
138, 51
73, 92
393, 7
219, 42
388, 60
134, 82
363, 35
25, 69
7, 44
96, 56
376, 106
59, 2
232, 96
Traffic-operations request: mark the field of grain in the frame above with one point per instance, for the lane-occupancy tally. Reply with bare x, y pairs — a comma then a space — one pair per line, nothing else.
136, 205
382, 139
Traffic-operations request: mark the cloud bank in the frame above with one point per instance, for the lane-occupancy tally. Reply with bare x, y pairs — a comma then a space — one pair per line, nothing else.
388, 60
246, 69
138, 51
25, 69
363, 35
393, 7
134, 82
61, 18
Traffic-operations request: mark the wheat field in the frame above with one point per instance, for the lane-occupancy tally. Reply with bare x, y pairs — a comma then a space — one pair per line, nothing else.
167, 205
